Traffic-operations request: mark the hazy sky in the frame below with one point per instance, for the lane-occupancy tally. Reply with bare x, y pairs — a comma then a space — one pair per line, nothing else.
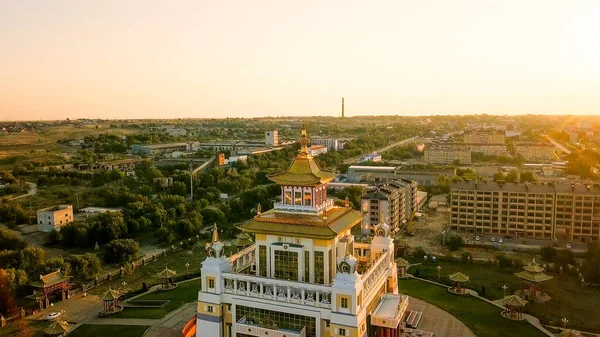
156, 59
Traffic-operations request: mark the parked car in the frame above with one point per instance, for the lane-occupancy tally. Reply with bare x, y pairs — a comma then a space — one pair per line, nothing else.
53, 315
493, 239
568, 246
500, 240
476, 237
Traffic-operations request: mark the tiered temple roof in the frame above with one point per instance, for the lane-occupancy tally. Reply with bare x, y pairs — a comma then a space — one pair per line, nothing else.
57, 327
459, 277
513, 301
111, 294
166, 273
50, 279
533, 273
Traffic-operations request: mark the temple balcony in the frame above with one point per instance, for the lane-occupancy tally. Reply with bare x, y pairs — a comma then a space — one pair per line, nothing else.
247, 327
279, 206
277, 290
375, 276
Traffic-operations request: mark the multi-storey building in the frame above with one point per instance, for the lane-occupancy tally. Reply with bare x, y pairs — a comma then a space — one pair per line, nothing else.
446, 154
488, 149
54, 217
544, 211
332, 144
272, 138
535, 151
316, 150
484, 137
396, 199
305, 275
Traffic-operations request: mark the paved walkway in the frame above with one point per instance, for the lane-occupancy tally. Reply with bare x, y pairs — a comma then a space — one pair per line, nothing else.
438, 321
172, 324
122, 321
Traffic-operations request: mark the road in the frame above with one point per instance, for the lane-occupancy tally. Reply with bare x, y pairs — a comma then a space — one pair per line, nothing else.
525, 243
558, 145
383, 149
32, 191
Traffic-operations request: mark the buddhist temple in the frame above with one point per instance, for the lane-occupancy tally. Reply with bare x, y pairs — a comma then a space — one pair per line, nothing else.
48, 284
300, 276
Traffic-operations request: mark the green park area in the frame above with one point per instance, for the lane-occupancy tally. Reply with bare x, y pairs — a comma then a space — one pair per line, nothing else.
482, 318
185, 292
581, 305
88, 330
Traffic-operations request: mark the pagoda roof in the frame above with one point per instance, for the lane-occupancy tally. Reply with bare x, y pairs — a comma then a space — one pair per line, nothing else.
57, 327
50, 279
569, 333
533, 277
243, 239
533, 267
402, 262
111, 294
304, 225
304, 170
459, 277
166, 273
513, 301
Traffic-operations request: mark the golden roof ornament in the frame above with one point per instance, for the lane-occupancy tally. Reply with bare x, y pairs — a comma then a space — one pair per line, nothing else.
215, 234
303, 140
258, 208
347, 201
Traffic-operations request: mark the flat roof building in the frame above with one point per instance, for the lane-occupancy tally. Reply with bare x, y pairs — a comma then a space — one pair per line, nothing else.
54, 217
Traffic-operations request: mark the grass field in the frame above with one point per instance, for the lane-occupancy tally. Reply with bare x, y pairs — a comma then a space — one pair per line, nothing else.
175, 261
482, 318
24, 328
184, 293
568, 297
88, 330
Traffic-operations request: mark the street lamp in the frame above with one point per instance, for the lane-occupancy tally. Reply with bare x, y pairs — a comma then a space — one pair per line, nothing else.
439, 268
504, 287
187, 268
564, 321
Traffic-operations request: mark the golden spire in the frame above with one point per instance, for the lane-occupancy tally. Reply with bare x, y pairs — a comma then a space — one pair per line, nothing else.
215, 236
303, 140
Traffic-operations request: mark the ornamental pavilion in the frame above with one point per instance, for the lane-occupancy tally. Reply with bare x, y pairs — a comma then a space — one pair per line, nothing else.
111, 302
300, 278
57, 328
514, 307
402, 265
166, 278
532, 278
47, 285
457, 279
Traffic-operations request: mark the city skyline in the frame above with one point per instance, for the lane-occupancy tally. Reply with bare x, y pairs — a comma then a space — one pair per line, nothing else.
190, 59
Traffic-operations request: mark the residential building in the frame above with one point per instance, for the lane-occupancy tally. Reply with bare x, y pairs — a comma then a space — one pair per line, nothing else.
332, 144
272, 138
488, 149
316, 150
376, 174
490, 136
543, 211
178, 132
447, 154
535, 151
304, 275
396, 200
54, 217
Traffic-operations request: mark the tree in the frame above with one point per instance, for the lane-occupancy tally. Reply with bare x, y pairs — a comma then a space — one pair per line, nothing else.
592, 264
85, 267
455, 242
499, 176
10, 241
55, 263
548, 253
528, 177
32, 259
121, 251
512, 176
164, 235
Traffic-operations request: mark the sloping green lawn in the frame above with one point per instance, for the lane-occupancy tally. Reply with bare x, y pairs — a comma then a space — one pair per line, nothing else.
88, 330
482, 318
185, 292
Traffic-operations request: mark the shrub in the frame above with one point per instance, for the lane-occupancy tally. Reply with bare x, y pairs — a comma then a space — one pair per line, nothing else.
121, 251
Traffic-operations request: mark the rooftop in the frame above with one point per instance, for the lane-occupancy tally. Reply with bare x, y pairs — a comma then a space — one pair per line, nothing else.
558, 187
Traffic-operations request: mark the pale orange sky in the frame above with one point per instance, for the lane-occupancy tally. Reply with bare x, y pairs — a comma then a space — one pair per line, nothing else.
157, 59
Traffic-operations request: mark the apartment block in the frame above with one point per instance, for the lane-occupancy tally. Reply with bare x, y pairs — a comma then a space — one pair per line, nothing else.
396, 200
541, 211
484, 137
535, 151
446, 154
488, 149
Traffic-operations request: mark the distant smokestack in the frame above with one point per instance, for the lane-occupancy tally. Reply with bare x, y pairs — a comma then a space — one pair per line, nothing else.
342, 107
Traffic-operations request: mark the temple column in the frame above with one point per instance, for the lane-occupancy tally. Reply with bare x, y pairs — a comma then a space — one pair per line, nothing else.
235, 286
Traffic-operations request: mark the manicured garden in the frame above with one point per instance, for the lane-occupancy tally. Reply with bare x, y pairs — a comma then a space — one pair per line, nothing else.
88, 330
581, 305
481, 317
185, 292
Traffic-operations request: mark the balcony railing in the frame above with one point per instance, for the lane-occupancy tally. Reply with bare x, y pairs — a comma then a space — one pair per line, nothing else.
248, 327
375, 273
243, 259
286, 207
277, 290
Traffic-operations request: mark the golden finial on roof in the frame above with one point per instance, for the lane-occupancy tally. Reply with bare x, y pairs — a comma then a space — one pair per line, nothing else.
303, 139
258, 208
215, 234
347, 201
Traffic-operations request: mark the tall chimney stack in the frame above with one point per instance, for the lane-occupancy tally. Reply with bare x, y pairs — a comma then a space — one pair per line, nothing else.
342, 107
